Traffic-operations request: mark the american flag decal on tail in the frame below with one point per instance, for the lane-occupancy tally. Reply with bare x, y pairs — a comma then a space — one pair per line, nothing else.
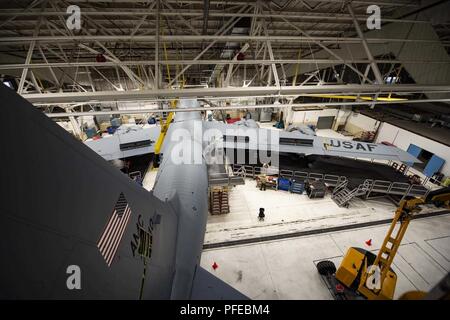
114, 230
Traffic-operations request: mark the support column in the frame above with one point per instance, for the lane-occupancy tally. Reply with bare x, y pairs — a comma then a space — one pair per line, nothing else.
272, 57
23, 77
373, 65
157, 75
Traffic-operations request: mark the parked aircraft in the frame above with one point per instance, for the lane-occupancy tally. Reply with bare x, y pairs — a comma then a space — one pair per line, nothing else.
72, 226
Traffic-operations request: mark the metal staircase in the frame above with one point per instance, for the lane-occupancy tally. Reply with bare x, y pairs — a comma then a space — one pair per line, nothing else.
342, 195
370, 188
241, 172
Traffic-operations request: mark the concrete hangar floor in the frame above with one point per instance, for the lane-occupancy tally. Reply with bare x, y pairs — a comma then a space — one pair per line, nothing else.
283, 267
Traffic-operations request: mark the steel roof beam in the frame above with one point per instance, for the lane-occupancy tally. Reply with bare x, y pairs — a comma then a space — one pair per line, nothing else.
307, 106
201, 38
229, 92
305, 16
250, 2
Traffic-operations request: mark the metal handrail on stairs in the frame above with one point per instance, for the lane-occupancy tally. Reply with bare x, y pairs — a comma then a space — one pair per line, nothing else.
340, 187
340, 183
342, 195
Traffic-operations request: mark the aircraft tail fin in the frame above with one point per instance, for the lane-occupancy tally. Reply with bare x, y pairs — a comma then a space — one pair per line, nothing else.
66, 211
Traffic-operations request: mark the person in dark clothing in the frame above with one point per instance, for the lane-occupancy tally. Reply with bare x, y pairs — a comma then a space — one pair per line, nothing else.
261, 214
263, 177
262, 183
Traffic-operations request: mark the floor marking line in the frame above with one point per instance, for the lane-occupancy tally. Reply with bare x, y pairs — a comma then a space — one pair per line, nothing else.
313, 232
411, 266
438, 265
436, 250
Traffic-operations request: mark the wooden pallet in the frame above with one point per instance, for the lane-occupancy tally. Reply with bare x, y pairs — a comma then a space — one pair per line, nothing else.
219, 200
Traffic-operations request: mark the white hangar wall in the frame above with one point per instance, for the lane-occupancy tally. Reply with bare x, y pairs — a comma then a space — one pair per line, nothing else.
403, 138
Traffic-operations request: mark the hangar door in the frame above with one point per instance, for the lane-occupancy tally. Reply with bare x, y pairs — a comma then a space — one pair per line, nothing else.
434, 165
325, 122
415, 151
431, 163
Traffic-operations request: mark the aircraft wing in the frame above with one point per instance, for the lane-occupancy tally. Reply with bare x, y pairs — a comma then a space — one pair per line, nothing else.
243, 137
71, 225
127, 144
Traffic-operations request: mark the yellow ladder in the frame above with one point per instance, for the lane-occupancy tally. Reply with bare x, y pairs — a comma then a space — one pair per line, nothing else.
392, 241
164, 128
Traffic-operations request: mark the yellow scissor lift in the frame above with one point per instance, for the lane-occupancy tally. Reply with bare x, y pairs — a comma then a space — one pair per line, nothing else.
356, 276
164, 128
165, 124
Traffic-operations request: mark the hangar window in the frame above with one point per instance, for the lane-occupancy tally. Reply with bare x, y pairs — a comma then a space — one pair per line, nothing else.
135, 145
236, 138
296, 142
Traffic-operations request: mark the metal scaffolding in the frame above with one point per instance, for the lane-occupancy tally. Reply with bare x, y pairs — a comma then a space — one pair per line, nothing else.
224, 49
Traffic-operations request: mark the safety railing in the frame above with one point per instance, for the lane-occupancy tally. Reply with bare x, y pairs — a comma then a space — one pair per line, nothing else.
417, 190
370, 186
246, 171
380, 186
331, 180
399, 188
217, 177
286, 173
315, 176
396, 188
301, 175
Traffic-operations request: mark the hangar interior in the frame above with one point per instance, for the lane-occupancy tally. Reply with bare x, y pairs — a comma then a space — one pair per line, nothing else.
356, 92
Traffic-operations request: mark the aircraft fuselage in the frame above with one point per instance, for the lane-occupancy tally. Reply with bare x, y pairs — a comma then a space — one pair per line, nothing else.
189, 181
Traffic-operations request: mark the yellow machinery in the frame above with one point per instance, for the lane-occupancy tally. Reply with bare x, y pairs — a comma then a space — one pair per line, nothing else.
365, 98
363, 274
440, 291
165, 124
164, 128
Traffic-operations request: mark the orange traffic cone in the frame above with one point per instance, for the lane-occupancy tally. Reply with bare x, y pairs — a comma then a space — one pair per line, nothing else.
215, 265
369, 242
